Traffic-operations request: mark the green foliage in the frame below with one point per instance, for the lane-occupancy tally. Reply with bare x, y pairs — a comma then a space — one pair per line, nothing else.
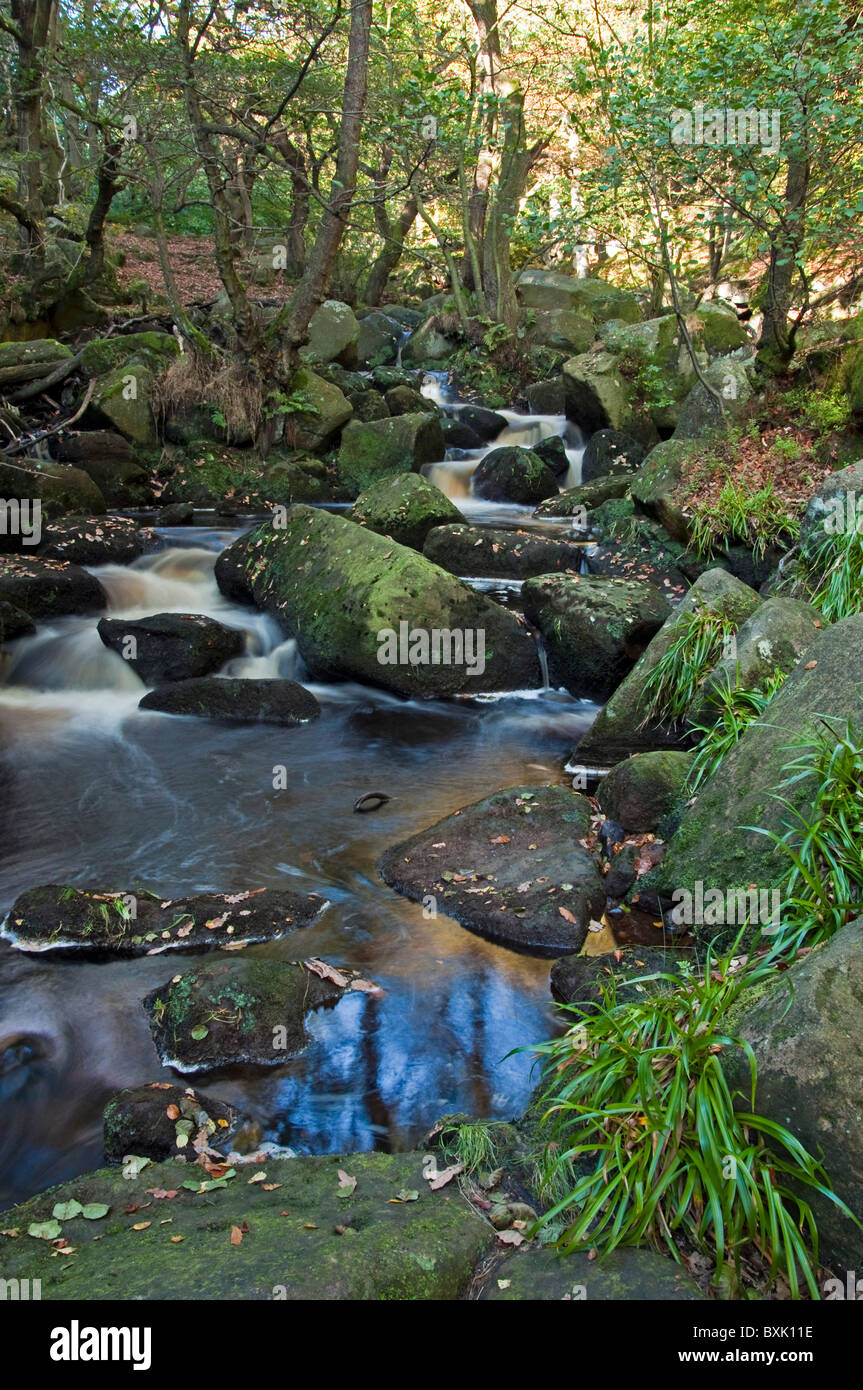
832, 575
736, 709
473, 1144
757, 519
672, 685
824, 889
647, 1145
822, 411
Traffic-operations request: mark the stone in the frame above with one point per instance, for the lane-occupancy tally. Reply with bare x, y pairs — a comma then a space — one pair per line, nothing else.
241, 701
610, 452
510, 868
485, 553
379, 448
513, 474
49, 588
171, 646
406, 507
136, 1122
333, 334
641, 792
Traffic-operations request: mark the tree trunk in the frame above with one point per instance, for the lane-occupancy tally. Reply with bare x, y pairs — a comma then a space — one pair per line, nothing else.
776, 343
393, 236
33, 19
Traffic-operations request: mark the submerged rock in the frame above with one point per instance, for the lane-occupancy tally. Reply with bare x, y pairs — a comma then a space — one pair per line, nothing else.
239, 1011
337, 587
371, 1242
405, 507
171, 646
49, 588
510, 867
513, 474
136, 1122
245, 701
14, 622
58, 917
481, 552
593, 630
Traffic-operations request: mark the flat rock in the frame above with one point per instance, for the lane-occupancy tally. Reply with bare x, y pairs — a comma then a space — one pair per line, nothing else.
537, 1274
49, 588
57, 917
510, 868
136, 1121
482, 552
235, 701
294, 1249
240, 1011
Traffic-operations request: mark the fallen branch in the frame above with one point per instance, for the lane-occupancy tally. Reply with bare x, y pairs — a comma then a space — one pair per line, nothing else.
26, 443
36, 388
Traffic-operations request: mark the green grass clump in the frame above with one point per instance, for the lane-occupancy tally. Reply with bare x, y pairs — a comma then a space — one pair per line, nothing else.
647, 1145
672, 685
742, 515
736, 710
473, 1144
833, 575
824, 889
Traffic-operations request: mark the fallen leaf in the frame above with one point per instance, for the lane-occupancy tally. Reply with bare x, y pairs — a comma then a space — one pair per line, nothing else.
133, 1164
569, 916
173, 1112
327, 972
510, 1237
446, 1175
94, 1211
236, 1235
66, 1211
44, 1230
141, 1225
346, 1183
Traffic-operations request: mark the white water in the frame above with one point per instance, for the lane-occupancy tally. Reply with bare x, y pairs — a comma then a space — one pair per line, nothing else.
453, 475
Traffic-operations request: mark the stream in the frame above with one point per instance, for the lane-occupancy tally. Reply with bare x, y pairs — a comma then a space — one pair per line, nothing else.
95, 792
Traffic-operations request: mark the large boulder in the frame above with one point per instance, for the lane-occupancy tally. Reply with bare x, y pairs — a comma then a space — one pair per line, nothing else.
513, 474
24, 362
405, 507
333, 334
640, 792
58, 488
538, 1274
111, 462
562, 329
153, 350
772, 640
593, 630
483, 552
378, 341
328, 409
609, 452
701, 413
242, 701
835, 509
123, 398
621, 727
577, 501
715, 843
388, 1238
378, 448
597, 394
548, 290
95, 540
511, 867
350, 597
49, 588
805, 1033
657, 484
57, 917
171, 646
428, 346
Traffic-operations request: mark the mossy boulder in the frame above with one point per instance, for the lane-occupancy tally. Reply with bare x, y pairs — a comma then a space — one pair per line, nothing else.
483, 552
376, 449
541, 1274
622, 726
513, 474
550, 291
242, 701
407, 400
49, 588
640, 792
656, 485
428, 346
378, 340
123, 398
57, 917
239, 1011
36, 352
326, 410
59, 488
155, 350
510, 868
582, 980
333, 334
171, 646
593, 630
632, 547
701, 413
598, 396
309, 1238
136, 1121
337, 587
553, 453
405, 507
563, 329
830, 509
805, 1035
112, 463
715, 842
772, 640
575, 501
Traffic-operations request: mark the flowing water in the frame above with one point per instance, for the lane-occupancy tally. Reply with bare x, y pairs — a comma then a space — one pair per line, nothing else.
97, 792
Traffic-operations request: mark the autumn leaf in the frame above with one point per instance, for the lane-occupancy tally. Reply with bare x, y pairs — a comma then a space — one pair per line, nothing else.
510, 1237
446, 1175
568, 916
346, 1183
236, 1235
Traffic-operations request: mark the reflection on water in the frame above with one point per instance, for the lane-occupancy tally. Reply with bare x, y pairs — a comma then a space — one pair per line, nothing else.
92, 790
